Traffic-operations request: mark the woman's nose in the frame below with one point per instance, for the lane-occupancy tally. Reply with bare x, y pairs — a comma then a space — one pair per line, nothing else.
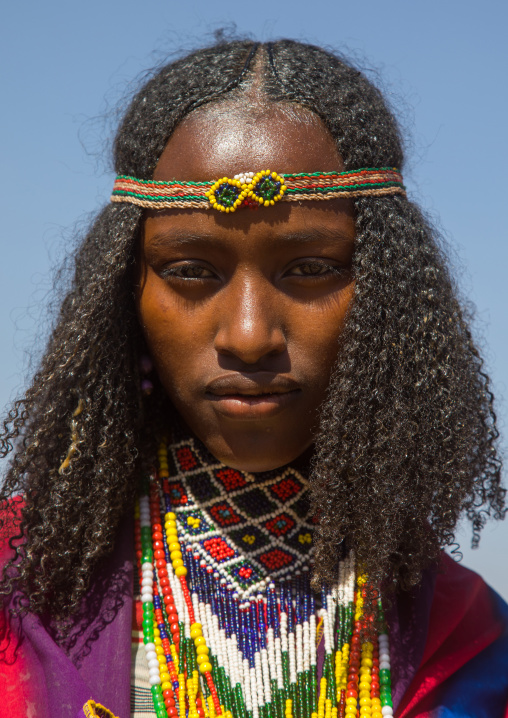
250, 324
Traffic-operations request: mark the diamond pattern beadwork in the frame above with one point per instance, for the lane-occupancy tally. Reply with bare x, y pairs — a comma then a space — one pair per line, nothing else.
248, 526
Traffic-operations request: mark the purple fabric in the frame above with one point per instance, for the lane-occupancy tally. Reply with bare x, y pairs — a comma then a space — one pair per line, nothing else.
408, 625
94, 658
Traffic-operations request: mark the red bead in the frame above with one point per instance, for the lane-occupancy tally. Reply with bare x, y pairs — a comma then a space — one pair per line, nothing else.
158, 545
163, 572
174, 628
352, 685
375, 694
352, 694
158, 553
169, 701
167, 693
172, 712
157, 535
164, 581
157, 527
168, 598
160, 563
355, 641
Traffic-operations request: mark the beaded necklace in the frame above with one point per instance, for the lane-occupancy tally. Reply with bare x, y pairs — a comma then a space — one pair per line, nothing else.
222, 641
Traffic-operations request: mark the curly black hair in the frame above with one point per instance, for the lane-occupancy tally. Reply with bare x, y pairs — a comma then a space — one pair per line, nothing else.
408, 436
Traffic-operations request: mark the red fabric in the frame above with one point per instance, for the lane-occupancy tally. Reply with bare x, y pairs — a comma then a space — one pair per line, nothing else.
17, 665
462, 624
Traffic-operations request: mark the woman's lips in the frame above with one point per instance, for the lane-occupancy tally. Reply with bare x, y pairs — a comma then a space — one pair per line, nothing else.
252, 406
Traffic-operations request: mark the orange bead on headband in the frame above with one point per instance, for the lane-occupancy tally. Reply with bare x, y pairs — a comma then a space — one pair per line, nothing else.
257, 189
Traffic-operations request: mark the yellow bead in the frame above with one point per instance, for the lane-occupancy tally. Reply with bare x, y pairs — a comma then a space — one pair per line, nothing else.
205, 667
200, 641
202, 658
350, 701
166, 686
174, 546
158, 641
351, 709
181, 571
196, 631
367, 662
159, 650
177, 563
365, 701
175, 554
364, 685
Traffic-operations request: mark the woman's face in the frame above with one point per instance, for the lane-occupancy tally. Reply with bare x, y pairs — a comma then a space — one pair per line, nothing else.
242, 312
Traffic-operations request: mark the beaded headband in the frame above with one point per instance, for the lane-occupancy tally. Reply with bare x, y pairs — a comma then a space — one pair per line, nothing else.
257, 189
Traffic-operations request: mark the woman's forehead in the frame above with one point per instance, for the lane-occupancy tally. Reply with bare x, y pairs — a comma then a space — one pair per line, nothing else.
224, 140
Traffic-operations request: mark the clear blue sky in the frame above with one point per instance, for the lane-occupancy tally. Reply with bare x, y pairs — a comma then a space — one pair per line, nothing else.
67, 65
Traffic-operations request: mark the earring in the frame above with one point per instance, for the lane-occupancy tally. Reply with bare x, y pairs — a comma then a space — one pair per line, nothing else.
145, 367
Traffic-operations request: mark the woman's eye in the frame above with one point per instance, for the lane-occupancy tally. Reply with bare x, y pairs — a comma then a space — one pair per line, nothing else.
316, 269
188, 270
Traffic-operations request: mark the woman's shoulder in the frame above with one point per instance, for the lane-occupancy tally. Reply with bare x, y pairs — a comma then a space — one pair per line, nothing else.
464, 668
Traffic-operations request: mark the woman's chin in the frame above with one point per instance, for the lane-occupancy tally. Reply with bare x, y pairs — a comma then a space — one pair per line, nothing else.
257, 456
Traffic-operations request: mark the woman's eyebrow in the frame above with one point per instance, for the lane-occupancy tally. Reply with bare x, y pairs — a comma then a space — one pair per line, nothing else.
314, 234
180, 237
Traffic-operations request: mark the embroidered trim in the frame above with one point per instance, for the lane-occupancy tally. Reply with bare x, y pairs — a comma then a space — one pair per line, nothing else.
91, 709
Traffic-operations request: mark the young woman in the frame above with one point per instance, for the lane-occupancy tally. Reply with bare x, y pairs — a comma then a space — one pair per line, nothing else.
262, 400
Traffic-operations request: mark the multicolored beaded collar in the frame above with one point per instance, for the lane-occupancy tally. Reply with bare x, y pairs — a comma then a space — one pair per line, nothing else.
216, 648
258, 189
